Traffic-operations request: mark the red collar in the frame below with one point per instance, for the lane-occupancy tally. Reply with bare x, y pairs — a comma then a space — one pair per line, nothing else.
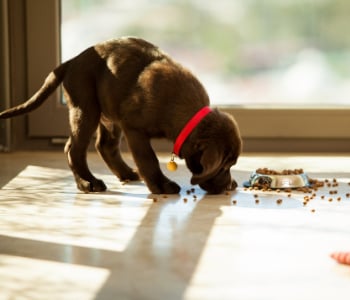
191, 124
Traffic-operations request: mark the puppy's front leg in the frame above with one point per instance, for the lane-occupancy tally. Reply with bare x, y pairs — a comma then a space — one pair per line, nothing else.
148, 164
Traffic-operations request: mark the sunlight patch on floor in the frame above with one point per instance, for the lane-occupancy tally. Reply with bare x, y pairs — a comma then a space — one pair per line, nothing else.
26, 278
67, 216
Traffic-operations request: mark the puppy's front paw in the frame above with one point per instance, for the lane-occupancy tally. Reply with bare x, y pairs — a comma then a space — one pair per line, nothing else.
171, 187
168, 187
130, 176
95, 185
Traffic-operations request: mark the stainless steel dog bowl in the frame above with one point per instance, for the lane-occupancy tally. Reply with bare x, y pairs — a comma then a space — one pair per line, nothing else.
291, 181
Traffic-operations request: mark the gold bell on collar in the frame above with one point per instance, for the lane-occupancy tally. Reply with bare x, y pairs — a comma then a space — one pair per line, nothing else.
172, 165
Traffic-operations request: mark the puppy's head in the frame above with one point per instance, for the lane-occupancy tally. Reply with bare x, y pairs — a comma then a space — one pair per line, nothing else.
214, 150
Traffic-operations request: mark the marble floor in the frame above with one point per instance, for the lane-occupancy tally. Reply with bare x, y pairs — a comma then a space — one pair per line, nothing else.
59, 243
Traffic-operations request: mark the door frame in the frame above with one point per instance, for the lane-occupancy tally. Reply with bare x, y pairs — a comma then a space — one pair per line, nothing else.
5, 135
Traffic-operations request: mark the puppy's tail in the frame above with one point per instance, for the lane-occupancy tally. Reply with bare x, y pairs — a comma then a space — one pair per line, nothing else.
52, 81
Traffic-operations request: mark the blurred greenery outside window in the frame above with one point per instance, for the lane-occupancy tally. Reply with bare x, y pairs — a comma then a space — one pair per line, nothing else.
272, 53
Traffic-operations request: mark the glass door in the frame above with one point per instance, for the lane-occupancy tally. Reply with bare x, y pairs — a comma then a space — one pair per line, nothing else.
280, 67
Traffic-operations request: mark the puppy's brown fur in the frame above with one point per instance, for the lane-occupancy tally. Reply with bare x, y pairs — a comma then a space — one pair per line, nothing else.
129, 86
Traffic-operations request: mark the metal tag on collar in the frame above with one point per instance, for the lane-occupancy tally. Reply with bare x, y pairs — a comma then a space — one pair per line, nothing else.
172, 165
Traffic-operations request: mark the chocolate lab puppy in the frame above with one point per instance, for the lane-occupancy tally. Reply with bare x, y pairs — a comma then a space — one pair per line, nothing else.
128, 86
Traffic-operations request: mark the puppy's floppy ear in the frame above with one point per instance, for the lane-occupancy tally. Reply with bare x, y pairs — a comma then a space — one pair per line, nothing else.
210, 161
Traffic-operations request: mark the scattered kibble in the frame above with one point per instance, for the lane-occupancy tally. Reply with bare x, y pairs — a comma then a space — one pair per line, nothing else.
185, 200
155, 200
312, 192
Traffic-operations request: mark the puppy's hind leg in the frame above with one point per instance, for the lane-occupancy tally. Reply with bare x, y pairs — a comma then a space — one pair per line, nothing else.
82, 129
108, 145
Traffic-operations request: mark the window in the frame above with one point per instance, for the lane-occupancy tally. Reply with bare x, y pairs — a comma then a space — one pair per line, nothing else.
290, 53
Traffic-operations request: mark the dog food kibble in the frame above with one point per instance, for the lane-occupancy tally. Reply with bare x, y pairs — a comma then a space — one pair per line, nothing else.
257, 201
155, 200
267, 171
185, 200
348, 195
279, 201
313, 210
234, 202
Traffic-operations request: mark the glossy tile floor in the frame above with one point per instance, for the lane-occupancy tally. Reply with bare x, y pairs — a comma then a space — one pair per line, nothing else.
59, 243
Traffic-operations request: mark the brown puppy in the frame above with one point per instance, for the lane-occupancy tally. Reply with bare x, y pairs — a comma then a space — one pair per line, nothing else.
129, 86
